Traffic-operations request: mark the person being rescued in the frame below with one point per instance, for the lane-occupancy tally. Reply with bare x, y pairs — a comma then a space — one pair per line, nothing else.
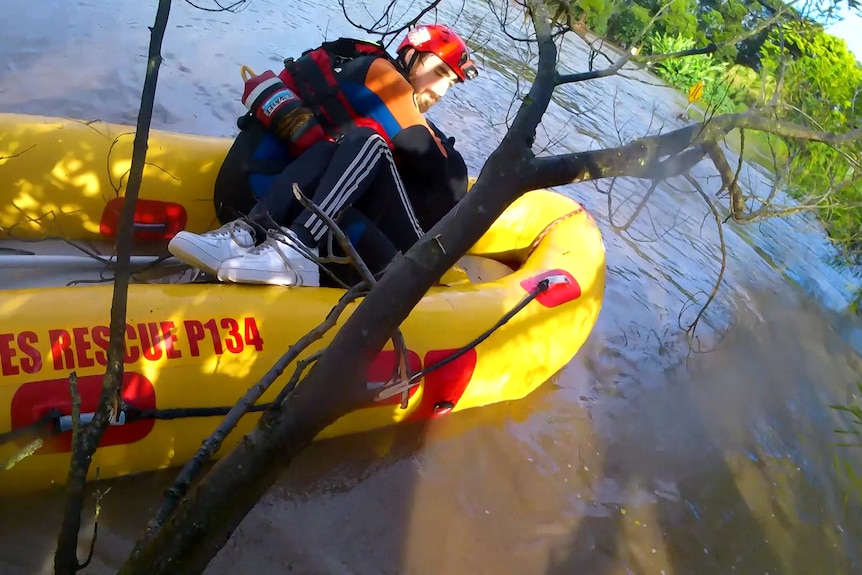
344, 123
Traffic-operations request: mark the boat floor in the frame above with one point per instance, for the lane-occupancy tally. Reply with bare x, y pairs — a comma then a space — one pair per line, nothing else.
55, 262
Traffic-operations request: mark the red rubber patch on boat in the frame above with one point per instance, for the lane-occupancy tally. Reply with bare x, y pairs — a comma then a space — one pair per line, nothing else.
564, 287
34, 400
382, 368
154, 220
444, 387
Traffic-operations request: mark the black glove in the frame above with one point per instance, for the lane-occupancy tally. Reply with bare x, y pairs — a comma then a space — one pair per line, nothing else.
446, 139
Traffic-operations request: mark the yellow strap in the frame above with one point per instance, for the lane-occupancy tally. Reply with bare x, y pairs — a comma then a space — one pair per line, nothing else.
246, 73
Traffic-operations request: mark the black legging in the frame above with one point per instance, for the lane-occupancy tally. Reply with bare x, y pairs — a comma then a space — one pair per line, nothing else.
338, 177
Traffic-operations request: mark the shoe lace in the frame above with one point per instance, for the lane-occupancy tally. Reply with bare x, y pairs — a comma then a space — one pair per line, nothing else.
272, 241
232, 230
267, 244
271, 244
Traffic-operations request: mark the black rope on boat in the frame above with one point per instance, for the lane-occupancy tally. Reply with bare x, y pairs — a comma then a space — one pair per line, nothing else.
45, 426
134, 414
541, 287
55, 423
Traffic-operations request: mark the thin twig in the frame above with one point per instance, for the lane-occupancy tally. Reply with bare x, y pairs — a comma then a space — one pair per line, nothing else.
301, 366
24, 453
98, 511
637, 210
693, 325
381, 26
339, 234
17, 154
232, 7
402, 367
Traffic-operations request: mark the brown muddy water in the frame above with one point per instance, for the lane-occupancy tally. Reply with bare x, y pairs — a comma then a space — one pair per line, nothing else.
642, 456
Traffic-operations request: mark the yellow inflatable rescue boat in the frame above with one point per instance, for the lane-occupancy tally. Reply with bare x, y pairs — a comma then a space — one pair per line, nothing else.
198, 346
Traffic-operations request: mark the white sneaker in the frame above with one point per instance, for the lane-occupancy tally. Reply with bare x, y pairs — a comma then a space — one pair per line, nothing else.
209, 250
276, 261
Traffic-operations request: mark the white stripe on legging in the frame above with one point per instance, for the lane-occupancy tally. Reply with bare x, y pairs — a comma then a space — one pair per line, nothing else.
346, 185
360, 166
405, 201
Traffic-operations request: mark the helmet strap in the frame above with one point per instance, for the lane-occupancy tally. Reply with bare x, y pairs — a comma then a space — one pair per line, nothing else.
407, 66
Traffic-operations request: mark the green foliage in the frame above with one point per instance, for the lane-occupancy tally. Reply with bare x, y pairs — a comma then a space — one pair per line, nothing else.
725, 21
598, 13
629, 19
821, 84
628, 23
683, 73
855, 430
854, 435
747, 86
823, 66
678, 17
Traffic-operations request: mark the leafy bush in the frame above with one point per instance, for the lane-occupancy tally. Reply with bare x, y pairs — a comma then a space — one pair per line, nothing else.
820, 86
683, 73
854, 432
626, 25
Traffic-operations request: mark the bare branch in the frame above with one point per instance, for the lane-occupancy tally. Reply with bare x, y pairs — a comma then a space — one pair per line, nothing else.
22, 454
728, 180
17, 154
402, 374
339, 234
303, 364
637, 210
232, 7
723, 247
531, 111
381, 26
639, 157
591, 75
99, 495
65, 557
708, 49
612, 70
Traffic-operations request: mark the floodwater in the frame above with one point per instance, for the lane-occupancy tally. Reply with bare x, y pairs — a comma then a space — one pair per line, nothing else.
642, 456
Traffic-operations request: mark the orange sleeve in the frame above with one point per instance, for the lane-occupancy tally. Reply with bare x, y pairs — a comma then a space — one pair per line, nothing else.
396, 94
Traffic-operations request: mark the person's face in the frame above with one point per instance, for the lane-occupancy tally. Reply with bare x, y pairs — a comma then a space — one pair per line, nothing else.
431, 79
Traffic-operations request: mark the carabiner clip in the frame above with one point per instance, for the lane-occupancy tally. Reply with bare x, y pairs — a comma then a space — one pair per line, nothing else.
243, 70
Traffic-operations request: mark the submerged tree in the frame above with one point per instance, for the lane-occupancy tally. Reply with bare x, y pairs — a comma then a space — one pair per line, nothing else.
201, 511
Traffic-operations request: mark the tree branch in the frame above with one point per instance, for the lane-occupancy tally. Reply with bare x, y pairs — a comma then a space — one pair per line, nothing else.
65, 557
728, 180
402, 369
723, 248
191, 471
612, 70
531, 111
237, 481
340, 236
17, 154
591, 75
639, 158
708, 49
383, 32
232, 7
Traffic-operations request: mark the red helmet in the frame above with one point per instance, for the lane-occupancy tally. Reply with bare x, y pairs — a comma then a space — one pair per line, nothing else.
446, 44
